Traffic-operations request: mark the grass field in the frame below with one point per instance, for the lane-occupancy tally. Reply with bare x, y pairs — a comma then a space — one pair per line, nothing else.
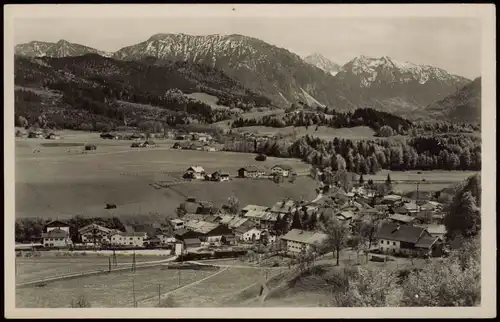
108, 290
214, 290
60, 182
323, 132
36, 268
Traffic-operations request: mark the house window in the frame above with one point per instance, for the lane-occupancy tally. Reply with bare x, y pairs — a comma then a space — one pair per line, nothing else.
381, 241
394, 243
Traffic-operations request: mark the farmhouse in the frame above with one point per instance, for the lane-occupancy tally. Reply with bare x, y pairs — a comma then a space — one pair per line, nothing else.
57, 224
209, 148
57, 238
297, 241
134, 239
402, 219
251, 172
282, 170
195, 172
263, 219
403, 239
94, 233
207, 231
191, 243
220, 176
251, 235
242, 229
53, 136
407, 208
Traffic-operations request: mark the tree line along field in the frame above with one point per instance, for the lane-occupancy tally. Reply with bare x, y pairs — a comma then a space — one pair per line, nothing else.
60, 183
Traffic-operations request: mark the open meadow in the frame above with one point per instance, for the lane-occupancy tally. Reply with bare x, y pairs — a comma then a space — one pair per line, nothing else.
60, 181
115, 289
37, 268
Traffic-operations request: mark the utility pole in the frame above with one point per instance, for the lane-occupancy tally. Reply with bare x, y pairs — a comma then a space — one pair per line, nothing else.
133, 290
159, 294
109, 269
114, 258
133, 261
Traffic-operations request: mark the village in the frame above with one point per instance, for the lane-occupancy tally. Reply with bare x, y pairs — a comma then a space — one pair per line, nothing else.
398, 226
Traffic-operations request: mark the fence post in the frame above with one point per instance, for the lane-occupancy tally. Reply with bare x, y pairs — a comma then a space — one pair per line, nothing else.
159, 294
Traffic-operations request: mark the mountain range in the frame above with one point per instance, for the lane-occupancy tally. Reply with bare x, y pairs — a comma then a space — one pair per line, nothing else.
401, 88
462, 106
62, 48
84, 89
323, 63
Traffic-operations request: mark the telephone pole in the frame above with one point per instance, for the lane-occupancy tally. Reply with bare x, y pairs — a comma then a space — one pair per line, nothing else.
133, 261
114, 258
159, 294
109, 269
133, 290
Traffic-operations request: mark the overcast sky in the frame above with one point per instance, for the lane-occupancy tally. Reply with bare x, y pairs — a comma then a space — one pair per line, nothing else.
450, 43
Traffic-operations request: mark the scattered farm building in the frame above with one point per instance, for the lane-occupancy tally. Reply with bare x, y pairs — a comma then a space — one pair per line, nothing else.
251, 172
195, 172
220, 176
282, 170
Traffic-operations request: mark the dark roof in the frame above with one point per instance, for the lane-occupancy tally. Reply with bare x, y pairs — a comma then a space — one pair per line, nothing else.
426, 241
402, 218
57, 223
284, 167
192, 241
251, 168
404, 233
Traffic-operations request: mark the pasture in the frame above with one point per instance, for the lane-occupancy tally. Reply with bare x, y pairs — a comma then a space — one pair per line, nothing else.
116, 289
60, 181
36, 268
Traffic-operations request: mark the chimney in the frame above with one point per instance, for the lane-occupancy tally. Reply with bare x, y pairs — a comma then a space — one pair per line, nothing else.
397, 227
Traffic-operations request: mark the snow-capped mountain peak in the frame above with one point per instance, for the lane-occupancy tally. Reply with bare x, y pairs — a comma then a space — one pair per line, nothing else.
62, 48
373, 70
323, 63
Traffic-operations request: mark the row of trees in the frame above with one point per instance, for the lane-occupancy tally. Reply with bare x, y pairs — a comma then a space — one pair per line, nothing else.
360, 117
457, 152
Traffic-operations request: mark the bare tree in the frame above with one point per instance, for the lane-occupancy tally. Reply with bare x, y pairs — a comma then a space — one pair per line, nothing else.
337, 233
233, 204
